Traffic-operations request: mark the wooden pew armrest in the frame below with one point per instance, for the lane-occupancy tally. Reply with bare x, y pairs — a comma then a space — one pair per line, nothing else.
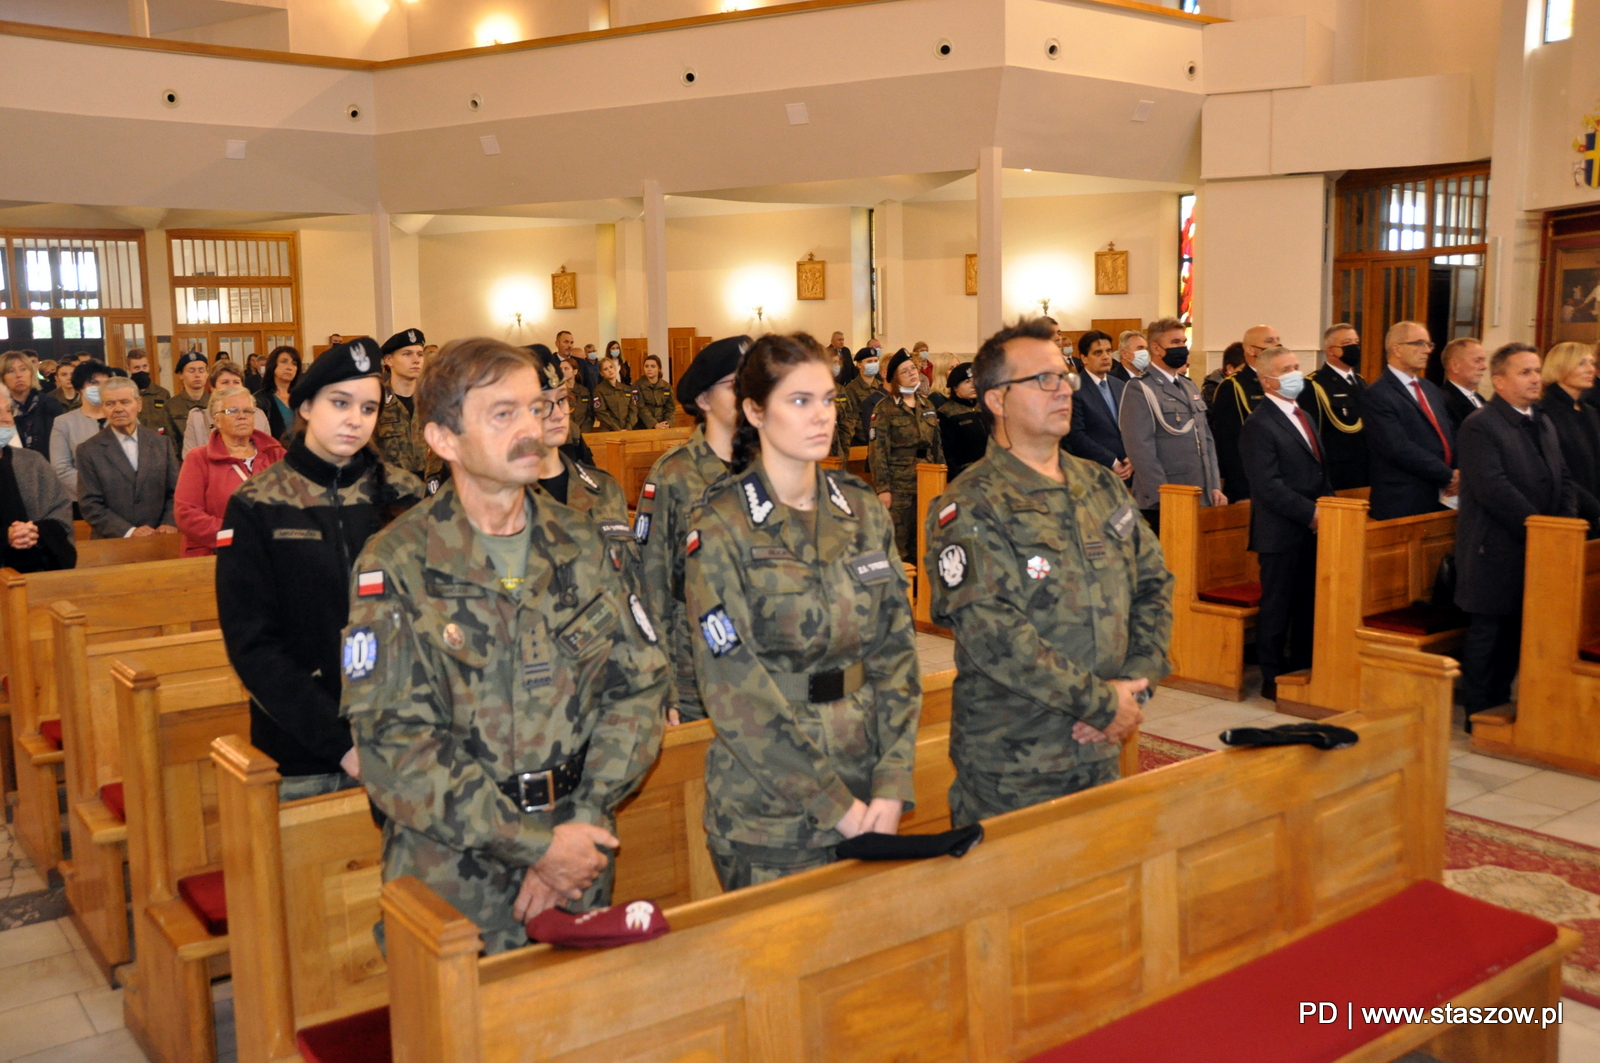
1236, 612
184, 931
1438, 642
104, 828
39, 751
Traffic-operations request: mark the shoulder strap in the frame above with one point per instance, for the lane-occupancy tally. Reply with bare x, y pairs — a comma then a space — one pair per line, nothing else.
1327, 411
1155, 411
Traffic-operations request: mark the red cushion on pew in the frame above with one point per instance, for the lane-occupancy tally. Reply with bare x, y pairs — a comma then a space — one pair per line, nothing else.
1418, 618
1247, 595
111, 797
1419, 948
205, 897
1590, 653
50, 731
360, 1038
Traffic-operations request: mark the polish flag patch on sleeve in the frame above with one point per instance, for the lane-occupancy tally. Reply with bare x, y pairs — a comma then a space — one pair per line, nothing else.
649, 490
691, 544
225, 537
369, 584
947, 514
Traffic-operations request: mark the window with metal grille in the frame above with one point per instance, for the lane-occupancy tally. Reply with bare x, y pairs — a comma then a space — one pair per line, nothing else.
234, 291
67, 291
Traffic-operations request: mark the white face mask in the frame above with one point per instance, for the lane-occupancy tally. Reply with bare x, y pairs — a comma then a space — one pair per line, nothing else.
909, 391
91, 394
869, 368
1291, 384
1141, 360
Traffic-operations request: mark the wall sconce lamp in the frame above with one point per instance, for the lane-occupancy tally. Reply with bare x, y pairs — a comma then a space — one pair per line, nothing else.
758, 310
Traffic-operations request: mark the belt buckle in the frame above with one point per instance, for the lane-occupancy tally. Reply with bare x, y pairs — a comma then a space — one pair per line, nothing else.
825, 687
523, 800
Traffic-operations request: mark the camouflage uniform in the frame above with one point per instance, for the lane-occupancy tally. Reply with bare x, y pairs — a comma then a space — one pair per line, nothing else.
807, 660
901, 437
178, 407
847, 430
616, 408
1051, 590
596, 494
655, 403
452, 685
398, 438
676, 482
582, 403
153, 411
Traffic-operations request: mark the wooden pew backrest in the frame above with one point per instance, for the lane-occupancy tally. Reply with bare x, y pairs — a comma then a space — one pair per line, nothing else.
1207, 548
1589, 627
1403, 558
1069, 914
97, 553
628, 456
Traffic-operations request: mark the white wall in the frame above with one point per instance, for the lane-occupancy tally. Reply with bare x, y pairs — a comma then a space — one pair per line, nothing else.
336, 285
473, 283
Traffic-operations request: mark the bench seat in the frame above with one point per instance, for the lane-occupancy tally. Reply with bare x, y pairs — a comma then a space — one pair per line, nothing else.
111, 797
205, 896
50, 731
1590, 652
1419, 618
1418, 949
359, 1038
1243, 595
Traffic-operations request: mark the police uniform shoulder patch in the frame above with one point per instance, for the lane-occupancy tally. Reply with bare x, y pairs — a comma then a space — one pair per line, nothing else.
692, 543
953, 565
360, 653
641, 618
836, 495
757, 500
641, 528
583, 474
948, 514
720, 635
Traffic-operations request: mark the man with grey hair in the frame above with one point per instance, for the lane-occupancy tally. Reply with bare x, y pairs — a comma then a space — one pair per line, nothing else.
1164, 427
126, 472
1133, 355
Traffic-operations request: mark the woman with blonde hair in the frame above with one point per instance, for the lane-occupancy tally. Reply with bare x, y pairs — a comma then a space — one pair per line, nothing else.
938, 383
1568, 374
236, 447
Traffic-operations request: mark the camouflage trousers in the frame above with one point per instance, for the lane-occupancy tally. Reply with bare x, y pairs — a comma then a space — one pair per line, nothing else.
979, 795
903, 516
476, 884
296, 787
739, 865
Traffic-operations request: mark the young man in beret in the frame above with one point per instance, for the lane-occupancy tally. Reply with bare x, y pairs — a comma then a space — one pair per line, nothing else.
192, 371
399, 436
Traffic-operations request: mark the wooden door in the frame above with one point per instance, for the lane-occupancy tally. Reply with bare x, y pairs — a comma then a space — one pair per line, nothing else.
1395, 290
680, 349
633, 352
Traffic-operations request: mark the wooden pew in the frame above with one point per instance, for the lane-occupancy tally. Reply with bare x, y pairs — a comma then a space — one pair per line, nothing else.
1397, 561
1069, 915
303, 878
1216, 591
931, 482
96, 885
130, 601
1555, 719
94, 553
629, 456
167, 724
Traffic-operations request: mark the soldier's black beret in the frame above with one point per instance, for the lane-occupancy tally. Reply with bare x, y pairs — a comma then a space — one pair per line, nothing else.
868, 351
187, 357
900, 358
958, 376
344, 361
411, 337
715, 361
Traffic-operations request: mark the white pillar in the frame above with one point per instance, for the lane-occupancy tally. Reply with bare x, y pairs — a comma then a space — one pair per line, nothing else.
991, 314
889, 231
1511, 292
655, 269
382, 275
605, 273
139, 18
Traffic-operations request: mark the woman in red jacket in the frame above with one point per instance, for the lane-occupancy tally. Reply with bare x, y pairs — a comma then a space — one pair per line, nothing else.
236, 451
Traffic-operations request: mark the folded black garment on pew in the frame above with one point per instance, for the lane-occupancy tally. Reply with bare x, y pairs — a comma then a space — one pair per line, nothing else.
956, 842
1321, 735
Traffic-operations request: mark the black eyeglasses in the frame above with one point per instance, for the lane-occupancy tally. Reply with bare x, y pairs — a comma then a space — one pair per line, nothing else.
1046, 381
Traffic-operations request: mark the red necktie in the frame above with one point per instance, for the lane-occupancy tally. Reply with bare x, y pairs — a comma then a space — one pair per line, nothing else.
1305, 422
1427, 411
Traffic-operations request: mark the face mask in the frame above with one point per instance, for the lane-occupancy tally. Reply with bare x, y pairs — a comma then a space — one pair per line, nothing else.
1290, 385
1351, 353
835, 368
1141, 360
91, 394
142, 379
7, 434
869, 368
1176, 357
909, 391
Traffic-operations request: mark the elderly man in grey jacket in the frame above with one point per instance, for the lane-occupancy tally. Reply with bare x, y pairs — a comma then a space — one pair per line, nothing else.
126, 473
1164, 426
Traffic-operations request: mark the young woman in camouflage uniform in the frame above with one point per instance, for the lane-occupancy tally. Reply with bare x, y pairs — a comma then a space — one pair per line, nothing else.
905, 431
805, 650
655, 396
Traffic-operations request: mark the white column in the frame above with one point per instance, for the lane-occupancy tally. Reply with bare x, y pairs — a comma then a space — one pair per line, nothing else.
139, 18
382, 275
655, 268
605, 273
889, 231
990, 309
1511, 294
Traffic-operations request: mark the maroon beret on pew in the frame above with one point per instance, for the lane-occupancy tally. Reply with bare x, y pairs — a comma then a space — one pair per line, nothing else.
603, 928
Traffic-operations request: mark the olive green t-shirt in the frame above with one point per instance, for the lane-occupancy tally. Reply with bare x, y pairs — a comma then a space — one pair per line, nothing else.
509, 553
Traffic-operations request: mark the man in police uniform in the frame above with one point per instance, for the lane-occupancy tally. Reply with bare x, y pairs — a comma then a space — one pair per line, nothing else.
1334, 403
398, 437
503, 687
1055, 589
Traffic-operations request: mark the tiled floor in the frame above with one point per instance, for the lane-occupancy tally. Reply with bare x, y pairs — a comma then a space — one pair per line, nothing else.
54, 1008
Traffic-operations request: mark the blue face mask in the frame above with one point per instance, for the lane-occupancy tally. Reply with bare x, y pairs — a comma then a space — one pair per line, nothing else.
869, 368
91, 394
1141, 360
7, 434
1290, 385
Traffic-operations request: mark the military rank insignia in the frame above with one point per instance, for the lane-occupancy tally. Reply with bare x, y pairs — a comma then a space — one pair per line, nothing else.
719, 632
583, 474
641, 618
756, 496
953, 565
360, 653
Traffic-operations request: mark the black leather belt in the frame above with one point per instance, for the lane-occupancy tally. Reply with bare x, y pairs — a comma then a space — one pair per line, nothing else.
538, 791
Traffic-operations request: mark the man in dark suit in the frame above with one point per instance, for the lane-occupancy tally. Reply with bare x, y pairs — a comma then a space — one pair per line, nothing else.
1410, 444
1334, 402
1095, 435
1512, 469
1465, 362
1284, 460
1235, 400
126, 472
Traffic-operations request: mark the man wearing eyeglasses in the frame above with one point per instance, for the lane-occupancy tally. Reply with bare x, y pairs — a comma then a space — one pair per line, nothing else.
1055, 589
1411, 442
1164, 426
